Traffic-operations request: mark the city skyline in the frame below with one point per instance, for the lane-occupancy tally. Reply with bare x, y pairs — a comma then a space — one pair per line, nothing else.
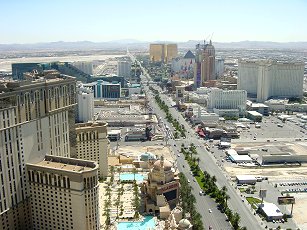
34, 21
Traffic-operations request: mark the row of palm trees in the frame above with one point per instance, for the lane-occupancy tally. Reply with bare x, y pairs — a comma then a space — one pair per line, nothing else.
136, 200
180, 130
208, 184
188, 201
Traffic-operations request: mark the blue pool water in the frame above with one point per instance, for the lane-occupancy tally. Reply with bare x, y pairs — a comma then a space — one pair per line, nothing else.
148, 222
130, 176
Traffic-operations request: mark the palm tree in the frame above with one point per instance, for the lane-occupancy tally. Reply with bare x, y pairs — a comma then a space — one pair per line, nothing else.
236, 221
227, 197
134, 172
119, 169
197, 159
213, 179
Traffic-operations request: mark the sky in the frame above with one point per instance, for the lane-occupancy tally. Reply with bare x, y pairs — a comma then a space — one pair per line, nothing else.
32, 21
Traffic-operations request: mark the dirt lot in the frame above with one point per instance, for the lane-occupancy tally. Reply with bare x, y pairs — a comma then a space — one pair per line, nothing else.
137, 150
272, 173
300, 211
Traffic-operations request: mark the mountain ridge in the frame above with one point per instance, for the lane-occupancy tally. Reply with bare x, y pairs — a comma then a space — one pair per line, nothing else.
135, 44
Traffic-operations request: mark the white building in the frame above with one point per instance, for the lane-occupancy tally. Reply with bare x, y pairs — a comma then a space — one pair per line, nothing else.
85, 100
227, 99
184, 66
64, 193
219, 66
123, 68
271, 211
246, 179
86, 67
271, 79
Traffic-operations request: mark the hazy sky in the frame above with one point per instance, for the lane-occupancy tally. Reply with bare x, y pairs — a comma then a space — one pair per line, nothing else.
30, 21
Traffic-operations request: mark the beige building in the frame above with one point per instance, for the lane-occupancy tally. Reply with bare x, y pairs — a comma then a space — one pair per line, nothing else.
204, 67
171, 52
157, 52
64, 193
36, 117
163, 52
93, 144
162, 189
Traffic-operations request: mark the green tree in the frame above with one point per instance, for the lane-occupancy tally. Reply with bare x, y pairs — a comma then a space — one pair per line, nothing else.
236, 221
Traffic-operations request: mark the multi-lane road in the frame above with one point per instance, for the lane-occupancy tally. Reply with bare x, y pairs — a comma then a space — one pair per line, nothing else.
208, 163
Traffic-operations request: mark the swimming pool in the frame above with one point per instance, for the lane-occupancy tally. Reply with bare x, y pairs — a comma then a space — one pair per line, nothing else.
130, 177
148, 222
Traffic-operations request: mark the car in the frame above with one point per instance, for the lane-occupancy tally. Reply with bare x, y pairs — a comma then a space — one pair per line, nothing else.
200, 193
189, 181
210, 227
178, 155
210, 211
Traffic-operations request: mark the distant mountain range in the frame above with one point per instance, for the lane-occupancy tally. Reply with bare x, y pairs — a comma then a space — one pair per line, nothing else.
136, 44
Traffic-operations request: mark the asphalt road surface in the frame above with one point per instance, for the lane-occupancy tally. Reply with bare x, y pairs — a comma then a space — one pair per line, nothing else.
207, 162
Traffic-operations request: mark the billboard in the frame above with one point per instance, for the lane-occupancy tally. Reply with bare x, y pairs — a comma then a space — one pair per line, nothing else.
283, 200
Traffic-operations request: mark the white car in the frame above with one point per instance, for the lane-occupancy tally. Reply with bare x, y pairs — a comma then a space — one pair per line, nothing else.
188, 181
178, 155
210, 211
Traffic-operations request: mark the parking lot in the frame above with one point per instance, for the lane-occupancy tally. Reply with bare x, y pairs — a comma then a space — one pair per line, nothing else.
272, 128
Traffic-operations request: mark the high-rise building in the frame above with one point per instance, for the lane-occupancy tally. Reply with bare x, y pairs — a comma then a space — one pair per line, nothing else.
124, 69
171, 52
204, 68
157, 52
265, 79
93, 144
36, 118
85, 66
64, 193
85, 101
163, 52
219, 67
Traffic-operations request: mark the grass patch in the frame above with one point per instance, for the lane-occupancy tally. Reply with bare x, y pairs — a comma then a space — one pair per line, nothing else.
242, 189
253, 202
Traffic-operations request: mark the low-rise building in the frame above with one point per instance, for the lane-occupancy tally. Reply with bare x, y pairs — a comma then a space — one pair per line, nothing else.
258, 107
114, 134
254, 116
246, 179
271, 211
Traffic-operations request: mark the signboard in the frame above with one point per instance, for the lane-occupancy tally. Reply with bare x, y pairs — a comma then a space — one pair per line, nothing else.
168, 188
283, 200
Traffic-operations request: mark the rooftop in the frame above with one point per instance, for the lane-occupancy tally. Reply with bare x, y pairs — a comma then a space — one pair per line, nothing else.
66, 164
271, 210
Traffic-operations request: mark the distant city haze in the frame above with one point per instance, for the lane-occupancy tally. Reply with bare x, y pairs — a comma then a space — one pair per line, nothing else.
174, 20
